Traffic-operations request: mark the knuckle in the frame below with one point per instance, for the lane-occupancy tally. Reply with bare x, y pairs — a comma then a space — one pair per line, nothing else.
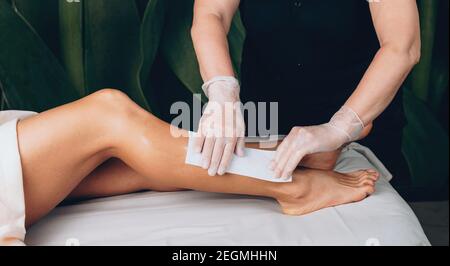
306, 133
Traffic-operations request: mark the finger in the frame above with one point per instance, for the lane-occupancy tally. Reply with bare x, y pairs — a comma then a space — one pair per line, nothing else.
226, 158
282, 161
208, 148
285, 144
240, 147
216, 157
199, 140
292, 164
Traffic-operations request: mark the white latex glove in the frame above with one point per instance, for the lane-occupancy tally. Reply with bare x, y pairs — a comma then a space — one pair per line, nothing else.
344, 127
221, 130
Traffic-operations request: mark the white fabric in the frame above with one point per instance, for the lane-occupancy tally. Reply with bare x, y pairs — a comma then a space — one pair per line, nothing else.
12, 202
254, 164
197, 218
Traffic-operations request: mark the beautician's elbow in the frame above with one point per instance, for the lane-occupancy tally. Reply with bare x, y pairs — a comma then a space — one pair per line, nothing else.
414, 53
205, 22
408, 53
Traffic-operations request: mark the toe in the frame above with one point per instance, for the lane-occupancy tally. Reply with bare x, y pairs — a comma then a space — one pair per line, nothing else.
354, 177
364, 192
367, 182
369, 190
374, 174
368, 175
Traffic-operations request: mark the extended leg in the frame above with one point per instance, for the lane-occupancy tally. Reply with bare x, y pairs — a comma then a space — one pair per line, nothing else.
61, 147
148, 147
115, 177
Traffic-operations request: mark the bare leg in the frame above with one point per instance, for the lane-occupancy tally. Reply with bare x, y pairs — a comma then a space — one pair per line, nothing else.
61, 147
114, 177
149, 148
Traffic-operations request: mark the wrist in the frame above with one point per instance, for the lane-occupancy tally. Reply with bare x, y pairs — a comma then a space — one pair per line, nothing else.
222, 88
348, 123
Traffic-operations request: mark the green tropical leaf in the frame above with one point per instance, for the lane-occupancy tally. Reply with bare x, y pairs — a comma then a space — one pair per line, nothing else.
425, 145
100, 45
236, 40
2, 101
43, 16
150, 36
420, 78
31, 77
141, 6
178, 49
439, 86
71, 39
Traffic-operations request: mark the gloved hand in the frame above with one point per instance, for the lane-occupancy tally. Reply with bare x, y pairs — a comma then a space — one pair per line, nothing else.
344, 127
222, 128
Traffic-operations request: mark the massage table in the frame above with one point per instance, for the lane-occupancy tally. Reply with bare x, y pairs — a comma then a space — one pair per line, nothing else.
197, 218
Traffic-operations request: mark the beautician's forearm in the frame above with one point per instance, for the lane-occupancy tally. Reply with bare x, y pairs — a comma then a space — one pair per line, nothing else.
398, 29
209, 35
381, 82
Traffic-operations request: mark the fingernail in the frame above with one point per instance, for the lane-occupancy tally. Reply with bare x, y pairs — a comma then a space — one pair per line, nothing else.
205, 165
276, 174
240, 153
221, 171
212, 172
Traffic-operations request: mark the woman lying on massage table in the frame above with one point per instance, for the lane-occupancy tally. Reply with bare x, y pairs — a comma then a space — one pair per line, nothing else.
67, 153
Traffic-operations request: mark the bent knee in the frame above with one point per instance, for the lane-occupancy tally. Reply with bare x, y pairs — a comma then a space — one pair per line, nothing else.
109, 98
114, 108
113, 102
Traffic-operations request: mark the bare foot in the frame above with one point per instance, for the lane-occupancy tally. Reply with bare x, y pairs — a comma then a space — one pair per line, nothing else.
313, 190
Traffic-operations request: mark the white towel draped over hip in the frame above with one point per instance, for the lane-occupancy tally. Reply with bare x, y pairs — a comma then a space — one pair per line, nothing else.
12, 202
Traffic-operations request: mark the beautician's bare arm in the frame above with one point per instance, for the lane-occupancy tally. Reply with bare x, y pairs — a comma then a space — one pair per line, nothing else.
397, 26
212, 20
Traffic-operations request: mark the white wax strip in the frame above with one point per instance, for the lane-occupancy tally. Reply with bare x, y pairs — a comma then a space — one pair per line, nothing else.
255, 164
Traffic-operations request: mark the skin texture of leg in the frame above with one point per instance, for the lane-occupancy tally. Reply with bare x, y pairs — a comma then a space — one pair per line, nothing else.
59, 148
115, 177
63, 146
112, 178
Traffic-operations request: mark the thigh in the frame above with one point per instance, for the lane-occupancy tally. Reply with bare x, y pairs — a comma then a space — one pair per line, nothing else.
58, 149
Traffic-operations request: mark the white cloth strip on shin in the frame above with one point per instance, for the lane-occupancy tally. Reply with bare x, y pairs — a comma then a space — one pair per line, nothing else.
255, 164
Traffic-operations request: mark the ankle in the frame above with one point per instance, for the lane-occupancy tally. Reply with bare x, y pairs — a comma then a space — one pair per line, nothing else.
298, 188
